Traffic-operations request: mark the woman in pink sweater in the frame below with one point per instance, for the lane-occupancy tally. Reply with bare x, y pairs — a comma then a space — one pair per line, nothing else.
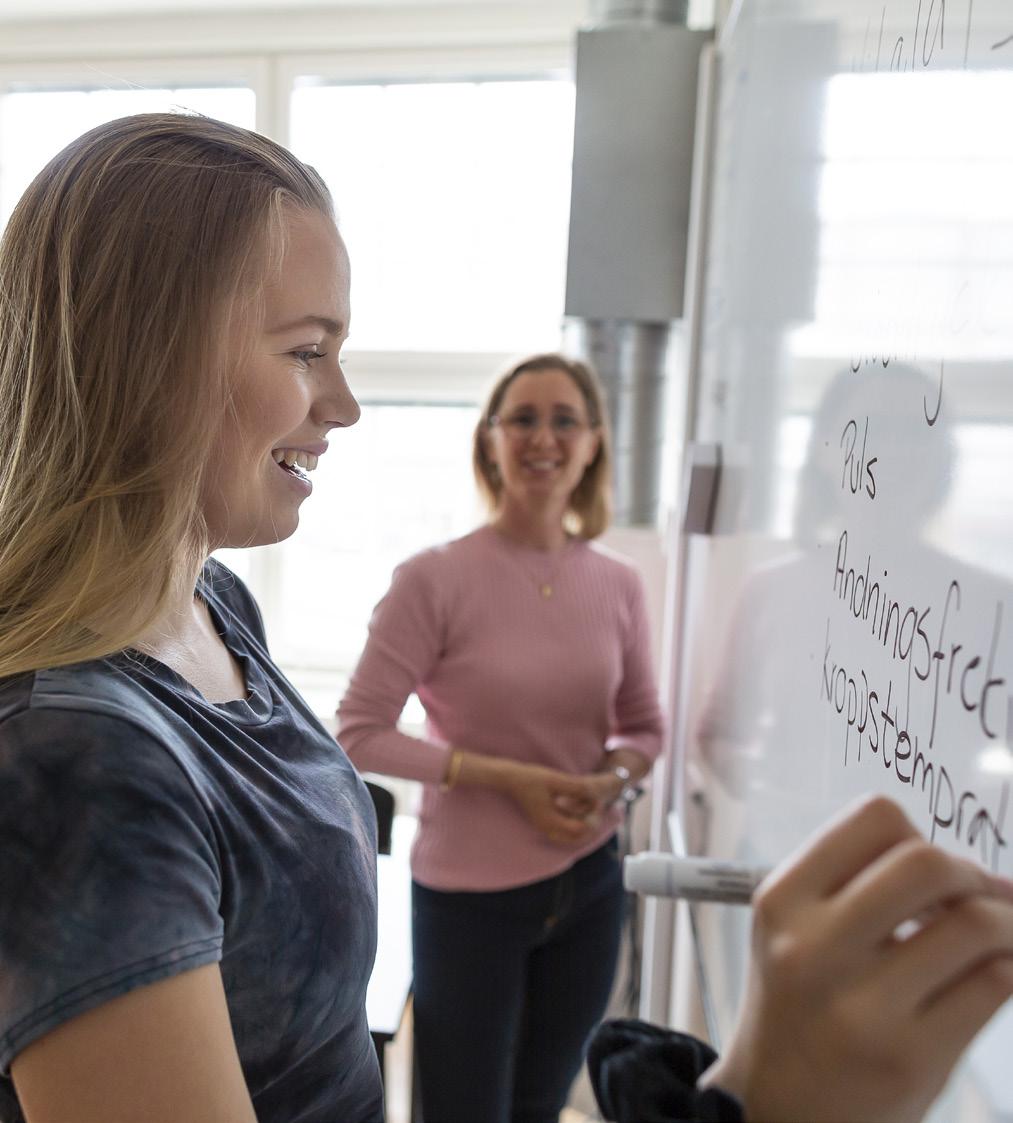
528, 646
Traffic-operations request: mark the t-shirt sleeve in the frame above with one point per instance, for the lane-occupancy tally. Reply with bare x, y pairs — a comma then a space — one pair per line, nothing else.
110, 875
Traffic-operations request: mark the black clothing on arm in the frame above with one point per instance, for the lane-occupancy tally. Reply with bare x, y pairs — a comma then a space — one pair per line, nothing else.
642, 1073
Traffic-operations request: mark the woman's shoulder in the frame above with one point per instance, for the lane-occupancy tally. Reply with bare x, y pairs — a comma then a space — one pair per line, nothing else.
98, 686
98, 702
445, 557
124, 715
92, 728
609, 563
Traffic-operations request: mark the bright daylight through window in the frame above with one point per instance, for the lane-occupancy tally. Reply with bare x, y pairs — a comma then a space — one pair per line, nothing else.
440, 296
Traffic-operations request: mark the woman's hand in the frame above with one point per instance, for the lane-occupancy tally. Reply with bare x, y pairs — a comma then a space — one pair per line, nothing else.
601, 790
845, 1017
604, 785
560, 805
567, 809
563, 807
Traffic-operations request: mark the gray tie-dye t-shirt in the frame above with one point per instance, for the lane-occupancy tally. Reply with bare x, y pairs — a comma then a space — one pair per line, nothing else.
145, 831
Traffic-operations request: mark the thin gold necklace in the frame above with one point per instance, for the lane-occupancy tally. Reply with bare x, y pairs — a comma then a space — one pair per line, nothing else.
544, 582
545, 588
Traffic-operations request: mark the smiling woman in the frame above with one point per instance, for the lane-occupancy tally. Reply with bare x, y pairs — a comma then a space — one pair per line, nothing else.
527, 645
188, 890
290, 392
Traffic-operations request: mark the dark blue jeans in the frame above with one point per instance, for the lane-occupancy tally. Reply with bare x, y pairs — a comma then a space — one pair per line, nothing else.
508, 987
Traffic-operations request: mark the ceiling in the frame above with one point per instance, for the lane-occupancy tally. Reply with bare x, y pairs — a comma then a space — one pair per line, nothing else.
61, 9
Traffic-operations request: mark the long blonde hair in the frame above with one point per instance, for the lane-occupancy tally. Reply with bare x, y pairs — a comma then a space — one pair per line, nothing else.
121, 270
590, 509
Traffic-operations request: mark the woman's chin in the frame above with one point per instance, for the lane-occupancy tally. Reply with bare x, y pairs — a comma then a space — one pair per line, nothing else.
262, 533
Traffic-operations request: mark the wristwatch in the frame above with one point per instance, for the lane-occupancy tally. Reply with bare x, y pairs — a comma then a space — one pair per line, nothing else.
629, 791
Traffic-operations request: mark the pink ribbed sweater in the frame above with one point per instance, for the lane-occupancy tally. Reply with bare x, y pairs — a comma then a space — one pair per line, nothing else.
502, 670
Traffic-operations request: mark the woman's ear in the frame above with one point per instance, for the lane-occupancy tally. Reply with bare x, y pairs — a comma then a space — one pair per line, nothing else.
595, 447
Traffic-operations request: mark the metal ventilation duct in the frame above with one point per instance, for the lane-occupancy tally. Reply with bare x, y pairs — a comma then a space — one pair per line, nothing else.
636, 79
652, 11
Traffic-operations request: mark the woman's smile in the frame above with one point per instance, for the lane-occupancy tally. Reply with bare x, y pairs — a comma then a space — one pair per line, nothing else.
297, 463
291, 391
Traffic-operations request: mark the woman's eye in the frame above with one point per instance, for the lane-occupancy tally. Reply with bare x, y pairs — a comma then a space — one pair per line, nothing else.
307, 356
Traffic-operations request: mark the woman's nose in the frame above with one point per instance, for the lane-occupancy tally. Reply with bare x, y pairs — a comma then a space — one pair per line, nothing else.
544, 434
337, 405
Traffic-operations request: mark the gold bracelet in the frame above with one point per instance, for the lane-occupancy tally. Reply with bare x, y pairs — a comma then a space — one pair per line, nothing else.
453, 768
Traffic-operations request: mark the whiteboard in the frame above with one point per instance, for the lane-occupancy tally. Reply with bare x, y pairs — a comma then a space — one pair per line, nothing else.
848, 625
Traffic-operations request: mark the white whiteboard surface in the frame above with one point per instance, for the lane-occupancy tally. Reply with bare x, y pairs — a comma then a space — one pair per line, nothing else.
849, 624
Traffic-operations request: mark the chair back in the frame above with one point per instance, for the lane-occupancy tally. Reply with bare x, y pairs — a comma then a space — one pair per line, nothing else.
383, 801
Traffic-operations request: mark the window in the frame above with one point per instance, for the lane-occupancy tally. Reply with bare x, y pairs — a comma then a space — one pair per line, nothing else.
36, 123
915, 263
452, 194
453, 199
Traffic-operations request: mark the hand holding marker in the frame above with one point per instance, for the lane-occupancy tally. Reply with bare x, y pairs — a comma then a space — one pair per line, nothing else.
860, 1013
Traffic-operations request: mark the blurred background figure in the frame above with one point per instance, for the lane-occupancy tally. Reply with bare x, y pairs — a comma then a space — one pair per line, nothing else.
528, 647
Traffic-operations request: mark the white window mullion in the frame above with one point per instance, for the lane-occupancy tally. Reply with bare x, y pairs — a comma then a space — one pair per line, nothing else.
273, 102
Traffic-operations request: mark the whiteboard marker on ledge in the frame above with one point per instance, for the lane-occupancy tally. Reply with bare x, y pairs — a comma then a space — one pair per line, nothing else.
693, 879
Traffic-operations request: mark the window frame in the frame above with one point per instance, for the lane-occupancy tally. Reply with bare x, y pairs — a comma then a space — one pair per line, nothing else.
498, 46
272, 76
168, 70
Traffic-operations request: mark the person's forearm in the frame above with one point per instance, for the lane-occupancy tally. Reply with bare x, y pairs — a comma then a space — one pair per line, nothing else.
474, 769
374, 747
471, 769
564, 808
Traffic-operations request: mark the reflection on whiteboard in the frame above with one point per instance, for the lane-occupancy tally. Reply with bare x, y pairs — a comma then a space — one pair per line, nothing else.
868, 639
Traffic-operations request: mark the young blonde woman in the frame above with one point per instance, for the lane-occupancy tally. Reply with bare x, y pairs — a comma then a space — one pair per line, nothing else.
187, 883
529, 648
187, 871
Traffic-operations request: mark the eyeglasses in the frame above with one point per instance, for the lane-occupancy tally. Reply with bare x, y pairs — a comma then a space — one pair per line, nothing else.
564, 426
